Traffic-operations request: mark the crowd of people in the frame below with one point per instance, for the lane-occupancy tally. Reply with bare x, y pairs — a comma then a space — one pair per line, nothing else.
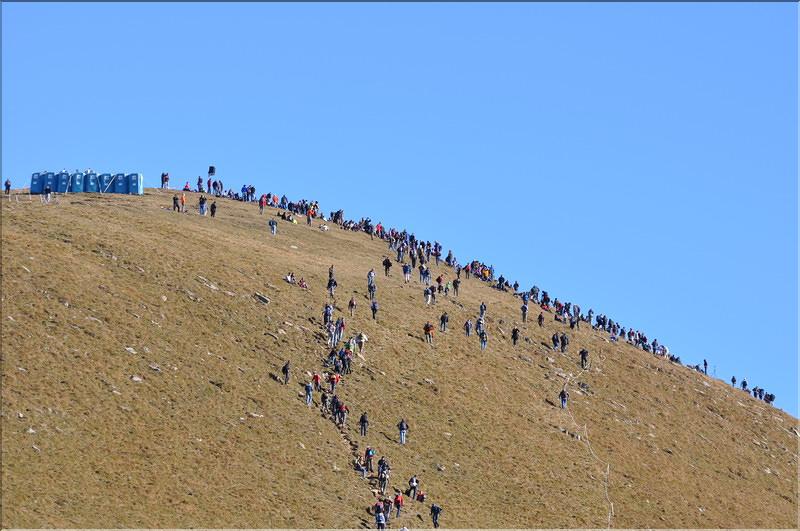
414, 253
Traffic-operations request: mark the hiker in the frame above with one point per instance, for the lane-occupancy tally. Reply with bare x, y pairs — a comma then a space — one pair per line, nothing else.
584, 358
361, 341
407, 273
563, 396
468, 327
183, 200
482, 309
554, 339
352, 305
273, 226
403, 427
213, 208
175, 205
380, 520
705, 367
387, 503
564, 342
514, 335
540, 320
285, 371
387, 265
456, 285
413, 483
744, 384
316, 379
332, 287
369, 455
733, 381
435, 512
334, 379
428, 330
363, 424
374, 308
443, 320
484, 339
309, 389
398, 503
524, 309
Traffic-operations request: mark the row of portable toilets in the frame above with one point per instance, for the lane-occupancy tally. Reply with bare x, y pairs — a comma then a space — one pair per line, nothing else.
64, 182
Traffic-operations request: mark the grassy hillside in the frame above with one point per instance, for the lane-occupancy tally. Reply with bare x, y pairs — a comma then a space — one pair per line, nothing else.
98, 289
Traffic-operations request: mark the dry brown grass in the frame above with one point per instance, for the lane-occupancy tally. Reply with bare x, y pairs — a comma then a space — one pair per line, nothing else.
87, 278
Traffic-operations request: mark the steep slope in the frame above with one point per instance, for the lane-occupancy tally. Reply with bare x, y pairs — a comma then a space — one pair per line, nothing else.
98, 289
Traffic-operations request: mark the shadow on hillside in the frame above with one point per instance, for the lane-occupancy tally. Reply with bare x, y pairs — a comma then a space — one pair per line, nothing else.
551, 402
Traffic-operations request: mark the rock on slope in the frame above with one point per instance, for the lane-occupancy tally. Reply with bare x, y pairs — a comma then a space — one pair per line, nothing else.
138, 391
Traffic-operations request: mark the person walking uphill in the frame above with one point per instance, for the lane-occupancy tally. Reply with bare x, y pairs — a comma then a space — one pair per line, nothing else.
374, 308
363, 424
175, 205
435, 512
213, 209
387, 265
428, 330
285, 371
584, 358
273, 226
403, 427
564, 397
443, 320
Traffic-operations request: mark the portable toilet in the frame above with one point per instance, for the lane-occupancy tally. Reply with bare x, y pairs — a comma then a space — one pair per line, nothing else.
62, 182
120, 184
76, 182
136, 183
90, 183
104, 183
36, 183
48, 179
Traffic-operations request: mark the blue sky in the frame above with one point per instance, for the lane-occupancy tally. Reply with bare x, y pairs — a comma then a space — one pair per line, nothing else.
639, 159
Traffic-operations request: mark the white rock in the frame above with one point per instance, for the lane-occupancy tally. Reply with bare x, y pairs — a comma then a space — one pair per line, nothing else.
30, 430
137, 378
131, 350
20, 415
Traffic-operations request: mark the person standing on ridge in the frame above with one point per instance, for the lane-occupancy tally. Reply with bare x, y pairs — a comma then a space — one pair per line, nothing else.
705, 367
213, 208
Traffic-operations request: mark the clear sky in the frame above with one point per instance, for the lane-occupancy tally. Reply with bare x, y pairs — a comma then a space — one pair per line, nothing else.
639, 159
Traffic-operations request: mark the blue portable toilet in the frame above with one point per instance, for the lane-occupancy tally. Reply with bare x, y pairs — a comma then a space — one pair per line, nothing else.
104, 183
120, 184
36, 183
76, 182
136, 183
48, 179
90, 183
62, 182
